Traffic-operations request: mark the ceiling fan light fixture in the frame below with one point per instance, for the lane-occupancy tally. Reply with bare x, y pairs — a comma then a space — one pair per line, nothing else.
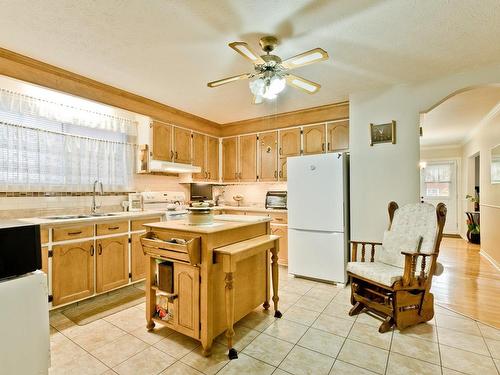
244, 50
276, 84
257, 87
307, 58
306, 86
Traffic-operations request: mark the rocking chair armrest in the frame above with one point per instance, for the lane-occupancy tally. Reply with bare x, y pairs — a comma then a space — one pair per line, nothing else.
409, 277
354, 250
419, 254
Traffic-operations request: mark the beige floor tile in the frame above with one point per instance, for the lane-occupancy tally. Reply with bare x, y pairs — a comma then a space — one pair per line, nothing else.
365, 356
301, 315
422, 331
148, 362
295, 288
447, 371
286, 330
257, 320
335, 325
489, 332
84, 364
128, 320
279, 371
344, 368
344, 296
320, 293
242, 337
302, 361
94, 335
177, 345
370, 335
494, 347
369, 318
288, 297
246, 365
119, 350
156, 335
109, 372
322, 342
63, 350
141, 306
268, 349
400, 364
208, 365
416, 348
59, 321
464, 341
312, 303
339, 309
466, 362
464, 325
179, 368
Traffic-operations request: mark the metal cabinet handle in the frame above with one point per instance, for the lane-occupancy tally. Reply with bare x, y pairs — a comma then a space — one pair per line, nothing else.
208, 175
275, 174
328, 146
281, 174
171, 154
113, 228
280, 151
322, 147
91, 250
74, 233
176, 155
100, 250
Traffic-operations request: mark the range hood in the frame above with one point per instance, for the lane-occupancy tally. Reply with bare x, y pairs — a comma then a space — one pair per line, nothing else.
170, 167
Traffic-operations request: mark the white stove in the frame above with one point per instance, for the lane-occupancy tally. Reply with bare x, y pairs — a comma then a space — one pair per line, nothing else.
173, 203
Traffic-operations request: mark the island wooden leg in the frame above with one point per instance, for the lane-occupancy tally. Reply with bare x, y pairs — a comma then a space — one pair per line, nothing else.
233, 354
266, 304
207, 348
275, 277
150, 293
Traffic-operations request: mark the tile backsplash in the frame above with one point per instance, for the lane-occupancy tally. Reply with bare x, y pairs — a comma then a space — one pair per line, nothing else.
253, 194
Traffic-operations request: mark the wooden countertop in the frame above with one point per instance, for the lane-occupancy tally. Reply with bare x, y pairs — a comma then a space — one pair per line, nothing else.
217, 226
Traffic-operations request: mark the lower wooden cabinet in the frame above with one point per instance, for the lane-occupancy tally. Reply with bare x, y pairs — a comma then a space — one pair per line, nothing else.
72, 272
187, 304
282, 231
111, 263
139, 259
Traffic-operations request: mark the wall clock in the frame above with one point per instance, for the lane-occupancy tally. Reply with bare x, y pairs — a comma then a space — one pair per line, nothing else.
383, 133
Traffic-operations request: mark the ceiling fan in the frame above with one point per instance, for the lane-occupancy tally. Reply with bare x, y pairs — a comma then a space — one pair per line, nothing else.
271, 74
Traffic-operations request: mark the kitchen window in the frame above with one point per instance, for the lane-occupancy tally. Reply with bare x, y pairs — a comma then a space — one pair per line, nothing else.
39, 152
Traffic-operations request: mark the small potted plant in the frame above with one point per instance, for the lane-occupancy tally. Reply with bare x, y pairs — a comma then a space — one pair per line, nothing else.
473, 231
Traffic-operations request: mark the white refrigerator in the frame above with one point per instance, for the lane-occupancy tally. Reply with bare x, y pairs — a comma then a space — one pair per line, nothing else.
318, 216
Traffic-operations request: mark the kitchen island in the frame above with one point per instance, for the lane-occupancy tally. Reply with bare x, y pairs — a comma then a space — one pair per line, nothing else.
216, 274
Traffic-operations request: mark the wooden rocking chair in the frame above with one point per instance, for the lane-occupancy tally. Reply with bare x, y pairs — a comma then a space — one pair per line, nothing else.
387, 283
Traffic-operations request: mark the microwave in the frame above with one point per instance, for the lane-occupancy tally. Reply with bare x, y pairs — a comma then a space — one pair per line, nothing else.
276, 199
20, 248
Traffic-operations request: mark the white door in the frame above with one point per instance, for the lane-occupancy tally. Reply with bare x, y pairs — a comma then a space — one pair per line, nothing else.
438, 183
319, 255
315, 198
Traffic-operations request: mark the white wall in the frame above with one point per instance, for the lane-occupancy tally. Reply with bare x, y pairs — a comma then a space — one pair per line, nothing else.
388, 172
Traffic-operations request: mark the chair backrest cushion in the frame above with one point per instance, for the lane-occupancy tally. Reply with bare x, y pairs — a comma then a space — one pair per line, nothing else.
393, 244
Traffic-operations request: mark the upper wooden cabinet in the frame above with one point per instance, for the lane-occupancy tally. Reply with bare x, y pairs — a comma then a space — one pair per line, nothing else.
162, 141
230, 159
338, 136
212, 161
268, 156
248, 158
182, 146
199, 155
282, 169
314, 139
289, 142
112, 263
72, 272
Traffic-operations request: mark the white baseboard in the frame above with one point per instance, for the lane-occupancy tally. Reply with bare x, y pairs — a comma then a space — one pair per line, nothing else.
490, 259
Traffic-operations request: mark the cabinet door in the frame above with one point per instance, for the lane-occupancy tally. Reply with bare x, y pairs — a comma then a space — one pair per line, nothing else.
162, 142
248, 158
213, 158
314, 139
199, 153
289, 142
282, 231
187, 303
338, 136
182, 146
282, 172
268, 144
112, 263
139, 259
72, 272
229, 159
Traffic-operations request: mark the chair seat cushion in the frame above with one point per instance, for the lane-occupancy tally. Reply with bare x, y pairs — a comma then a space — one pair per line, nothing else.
381, 273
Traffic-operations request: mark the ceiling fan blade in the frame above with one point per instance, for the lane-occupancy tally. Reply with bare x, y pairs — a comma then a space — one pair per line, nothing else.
257, 99
303, 84
310, 57
244, 50
229, 79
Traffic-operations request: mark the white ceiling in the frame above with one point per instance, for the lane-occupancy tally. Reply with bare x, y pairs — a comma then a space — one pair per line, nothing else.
451, 122
167, 50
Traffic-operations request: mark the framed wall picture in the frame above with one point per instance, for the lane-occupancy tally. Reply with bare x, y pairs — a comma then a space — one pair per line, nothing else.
383, 133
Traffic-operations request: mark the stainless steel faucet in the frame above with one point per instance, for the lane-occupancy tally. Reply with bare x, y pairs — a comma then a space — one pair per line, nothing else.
96, 206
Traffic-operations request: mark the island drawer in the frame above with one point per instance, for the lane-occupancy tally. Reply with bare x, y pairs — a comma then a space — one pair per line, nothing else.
175, 248
72, 232
112, 227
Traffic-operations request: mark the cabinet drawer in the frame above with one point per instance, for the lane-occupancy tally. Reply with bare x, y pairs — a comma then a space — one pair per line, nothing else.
188, 252
72, 232
112, 227
279, 218
138, 224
